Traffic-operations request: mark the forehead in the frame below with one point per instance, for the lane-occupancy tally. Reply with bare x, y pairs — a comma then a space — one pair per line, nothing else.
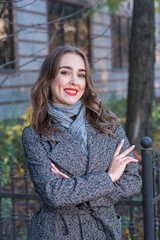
72, 60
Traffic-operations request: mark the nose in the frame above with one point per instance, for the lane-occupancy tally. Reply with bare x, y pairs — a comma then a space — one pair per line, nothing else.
74, 79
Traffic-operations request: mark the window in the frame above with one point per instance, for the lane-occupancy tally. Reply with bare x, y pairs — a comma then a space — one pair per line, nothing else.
121, 26
68, 30
6, 41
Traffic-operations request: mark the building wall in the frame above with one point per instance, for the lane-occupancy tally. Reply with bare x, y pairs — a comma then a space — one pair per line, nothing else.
107, 80
31, 45
30, 49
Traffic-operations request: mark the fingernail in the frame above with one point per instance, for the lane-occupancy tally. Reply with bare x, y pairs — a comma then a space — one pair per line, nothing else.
136, 160
52, 164
122, 141
133, 146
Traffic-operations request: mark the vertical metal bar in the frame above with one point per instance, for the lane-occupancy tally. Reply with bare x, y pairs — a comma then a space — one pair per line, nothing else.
61, 25
131, 224
128, 35
89, 42
28, 215
1, 213
76, 36
14, 216
158, 192
11, 40
154, 193
147, 177
119, 42
114, 46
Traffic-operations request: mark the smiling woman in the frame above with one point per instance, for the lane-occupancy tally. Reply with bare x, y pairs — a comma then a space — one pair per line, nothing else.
69, 84
78, 155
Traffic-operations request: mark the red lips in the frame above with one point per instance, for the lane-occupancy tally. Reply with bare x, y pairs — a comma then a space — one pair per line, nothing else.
71, 91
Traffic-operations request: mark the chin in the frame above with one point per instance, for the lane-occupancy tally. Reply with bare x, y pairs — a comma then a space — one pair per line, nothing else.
72, 102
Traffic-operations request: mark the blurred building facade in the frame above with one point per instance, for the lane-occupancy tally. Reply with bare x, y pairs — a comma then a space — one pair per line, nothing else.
29, 30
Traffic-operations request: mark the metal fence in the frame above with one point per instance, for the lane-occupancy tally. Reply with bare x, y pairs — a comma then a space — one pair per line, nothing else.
15, 214
140, 215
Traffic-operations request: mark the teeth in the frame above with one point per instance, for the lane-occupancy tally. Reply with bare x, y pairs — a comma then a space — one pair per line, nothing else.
70, 91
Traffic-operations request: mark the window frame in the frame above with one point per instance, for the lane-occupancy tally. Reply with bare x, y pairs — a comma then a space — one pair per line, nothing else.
118, 55
82, 3
11, 41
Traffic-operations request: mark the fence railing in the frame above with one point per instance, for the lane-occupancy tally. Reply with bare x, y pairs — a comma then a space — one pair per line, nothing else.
18, 205
14, 231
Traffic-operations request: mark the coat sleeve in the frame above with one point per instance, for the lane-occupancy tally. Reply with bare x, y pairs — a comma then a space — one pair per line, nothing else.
129, 183
55, 191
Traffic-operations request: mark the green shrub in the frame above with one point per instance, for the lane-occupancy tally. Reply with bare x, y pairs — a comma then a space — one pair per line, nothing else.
117, 106
5, 171
11, 138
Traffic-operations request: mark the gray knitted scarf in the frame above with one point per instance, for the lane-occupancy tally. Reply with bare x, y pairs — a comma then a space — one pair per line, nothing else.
63, 114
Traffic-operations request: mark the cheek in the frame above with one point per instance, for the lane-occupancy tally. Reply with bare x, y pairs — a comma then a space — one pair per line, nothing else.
57, 83
83, 85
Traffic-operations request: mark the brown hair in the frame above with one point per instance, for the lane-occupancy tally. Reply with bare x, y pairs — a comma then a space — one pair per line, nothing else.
95, 113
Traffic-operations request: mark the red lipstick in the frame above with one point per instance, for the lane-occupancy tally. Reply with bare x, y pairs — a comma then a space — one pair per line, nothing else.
71, 91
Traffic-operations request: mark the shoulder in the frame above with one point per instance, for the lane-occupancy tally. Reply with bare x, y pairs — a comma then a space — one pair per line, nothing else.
32, 141
29, 133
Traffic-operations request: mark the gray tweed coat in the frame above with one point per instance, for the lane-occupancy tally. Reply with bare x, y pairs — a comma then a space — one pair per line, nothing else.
81, 207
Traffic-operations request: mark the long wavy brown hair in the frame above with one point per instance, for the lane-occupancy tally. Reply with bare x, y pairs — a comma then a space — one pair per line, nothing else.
95, 113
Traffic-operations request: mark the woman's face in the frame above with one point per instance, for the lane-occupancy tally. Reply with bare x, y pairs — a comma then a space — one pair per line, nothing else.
69, 84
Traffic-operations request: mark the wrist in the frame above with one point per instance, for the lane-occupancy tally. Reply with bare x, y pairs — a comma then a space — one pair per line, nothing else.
112, 178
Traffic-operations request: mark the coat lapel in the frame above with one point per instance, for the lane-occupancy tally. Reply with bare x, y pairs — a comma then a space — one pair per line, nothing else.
100, 148
67, 153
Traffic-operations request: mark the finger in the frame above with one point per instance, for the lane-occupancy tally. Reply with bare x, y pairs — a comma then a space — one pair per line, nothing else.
127, 160
127, 151
54, 171
54, 167
60, 173
63, 175
118, 149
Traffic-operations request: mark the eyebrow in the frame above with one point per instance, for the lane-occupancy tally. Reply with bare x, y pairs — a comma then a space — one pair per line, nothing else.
80, 70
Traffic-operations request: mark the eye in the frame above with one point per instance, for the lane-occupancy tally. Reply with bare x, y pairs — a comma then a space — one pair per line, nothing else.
65, 73
82, 75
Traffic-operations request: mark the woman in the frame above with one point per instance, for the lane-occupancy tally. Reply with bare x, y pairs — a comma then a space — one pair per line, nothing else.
77, 153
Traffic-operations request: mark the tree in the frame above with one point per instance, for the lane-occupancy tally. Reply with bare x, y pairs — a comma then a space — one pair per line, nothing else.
141, 71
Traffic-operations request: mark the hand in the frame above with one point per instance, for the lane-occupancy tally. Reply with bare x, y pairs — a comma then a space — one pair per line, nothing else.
56, 171
119, 162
